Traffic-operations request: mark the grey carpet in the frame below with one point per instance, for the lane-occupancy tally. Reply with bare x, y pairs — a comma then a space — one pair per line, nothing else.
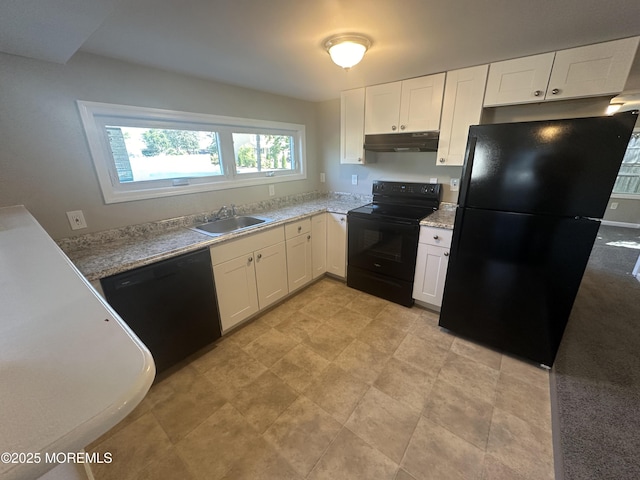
596, 376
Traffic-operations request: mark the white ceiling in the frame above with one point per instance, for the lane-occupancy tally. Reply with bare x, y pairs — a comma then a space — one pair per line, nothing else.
276, 45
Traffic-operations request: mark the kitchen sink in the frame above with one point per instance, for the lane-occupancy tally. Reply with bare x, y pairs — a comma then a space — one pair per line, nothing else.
231, 224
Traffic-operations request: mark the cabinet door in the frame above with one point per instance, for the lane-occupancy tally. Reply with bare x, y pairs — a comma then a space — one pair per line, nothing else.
382, 108
592, 70
352, 126
236, 290
336, 244
299, 270
462, 107
319, 244
522, 80
421, 103
431, 272
271, 274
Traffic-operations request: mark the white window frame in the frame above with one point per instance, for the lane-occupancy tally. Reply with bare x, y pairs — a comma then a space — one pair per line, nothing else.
95, 116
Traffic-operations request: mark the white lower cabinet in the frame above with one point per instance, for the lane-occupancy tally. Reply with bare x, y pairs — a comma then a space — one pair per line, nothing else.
250, 274
431, 265
271, 274
319, 244
299, 253
337, 244
236, 290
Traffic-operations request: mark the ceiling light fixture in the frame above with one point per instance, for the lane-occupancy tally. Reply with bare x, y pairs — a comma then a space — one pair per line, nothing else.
347, 50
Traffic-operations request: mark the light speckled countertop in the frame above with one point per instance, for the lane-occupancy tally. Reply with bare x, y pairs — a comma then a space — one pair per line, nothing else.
108, 253
442, 218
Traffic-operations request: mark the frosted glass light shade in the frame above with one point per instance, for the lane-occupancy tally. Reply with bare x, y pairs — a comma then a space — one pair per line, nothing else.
347, 50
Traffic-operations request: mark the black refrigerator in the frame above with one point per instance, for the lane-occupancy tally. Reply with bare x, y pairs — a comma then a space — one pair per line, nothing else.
530, 201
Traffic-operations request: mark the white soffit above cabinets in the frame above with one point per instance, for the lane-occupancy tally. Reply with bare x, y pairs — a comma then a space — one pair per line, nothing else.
51, 30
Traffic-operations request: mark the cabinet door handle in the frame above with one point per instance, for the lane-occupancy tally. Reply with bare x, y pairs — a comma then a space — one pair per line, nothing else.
394, 128
555, 91
402, 127
537, 93
435, 237
259, 256
308, 237
250, 259
299, 229
446, 254
441, 160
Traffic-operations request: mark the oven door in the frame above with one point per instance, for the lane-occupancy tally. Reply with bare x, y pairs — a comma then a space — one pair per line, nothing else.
383, 246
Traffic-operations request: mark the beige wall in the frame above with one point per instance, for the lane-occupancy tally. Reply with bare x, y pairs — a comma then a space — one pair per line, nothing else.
45, 163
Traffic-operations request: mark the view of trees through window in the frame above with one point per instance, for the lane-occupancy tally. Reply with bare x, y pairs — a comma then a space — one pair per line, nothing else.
256, 152
152, 154
142, 153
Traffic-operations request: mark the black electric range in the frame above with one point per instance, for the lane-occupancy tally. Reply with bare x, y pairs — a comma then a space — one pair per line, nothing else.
383, 238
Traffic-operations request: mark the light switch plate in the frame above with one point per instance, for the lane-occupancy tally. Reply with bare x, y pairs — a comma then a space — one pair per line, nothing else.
272, 190
322, 178
354, 179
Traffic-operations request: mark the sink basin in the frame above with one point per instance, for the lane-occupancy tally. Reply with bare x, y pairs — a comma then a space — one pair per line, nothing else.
231, 224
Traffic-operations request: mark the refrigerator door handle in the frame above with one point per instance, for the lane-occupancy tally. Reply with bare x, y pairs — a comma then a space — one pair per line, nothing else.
466, 170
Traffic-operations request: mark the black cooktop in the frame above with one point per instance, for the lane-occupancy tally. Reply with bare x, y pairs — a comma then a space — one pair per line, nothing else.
403, 212
401, 200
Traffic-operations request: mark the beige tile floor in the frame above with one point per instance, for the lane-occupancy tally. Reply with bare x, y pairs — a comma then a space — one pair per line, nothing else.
337, 384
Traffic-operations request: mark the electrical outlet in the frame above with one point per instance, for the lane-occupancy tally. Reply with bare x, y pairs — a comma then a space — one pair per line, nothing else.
453, 184
614, 205
272, 190
322, 178
354, 179
433, 180
76, 220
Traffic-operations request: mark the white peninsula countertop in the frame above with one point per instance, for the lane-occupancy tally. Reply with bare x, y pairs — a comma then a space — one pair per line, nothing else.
70, 368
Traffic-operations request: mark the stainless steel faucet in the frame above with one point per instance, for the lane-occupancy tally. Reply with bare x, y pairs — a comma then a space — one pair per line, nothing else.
224, 212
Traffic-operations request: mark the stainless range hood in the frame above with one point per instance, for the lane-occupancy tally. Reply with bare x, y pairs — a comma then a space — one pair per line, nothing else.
402, 142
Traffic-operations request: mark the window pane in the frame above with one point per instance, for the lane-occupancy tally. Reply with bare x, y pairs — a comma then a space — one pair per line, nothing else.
628, 180
263, 152
158, 154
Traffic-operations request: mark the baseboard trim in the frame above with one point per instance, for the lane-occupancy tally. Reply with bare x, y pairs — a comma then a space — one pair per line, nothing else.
611, 223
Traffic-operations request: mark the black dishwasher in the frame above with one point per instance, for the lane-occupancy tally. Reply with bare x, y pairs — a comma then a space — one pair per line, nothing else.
170, 305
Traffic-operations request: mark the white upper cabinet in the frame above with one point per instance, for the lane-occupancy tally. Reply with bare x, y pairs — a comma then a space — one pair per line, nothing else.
521, 80
412, 105
352, 126
593, 70
462, 107
589, 71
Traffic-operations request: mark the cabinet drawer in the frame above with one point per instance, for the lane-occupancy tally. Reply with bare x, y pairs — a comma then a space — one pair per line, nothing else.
294, 229
440, 237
